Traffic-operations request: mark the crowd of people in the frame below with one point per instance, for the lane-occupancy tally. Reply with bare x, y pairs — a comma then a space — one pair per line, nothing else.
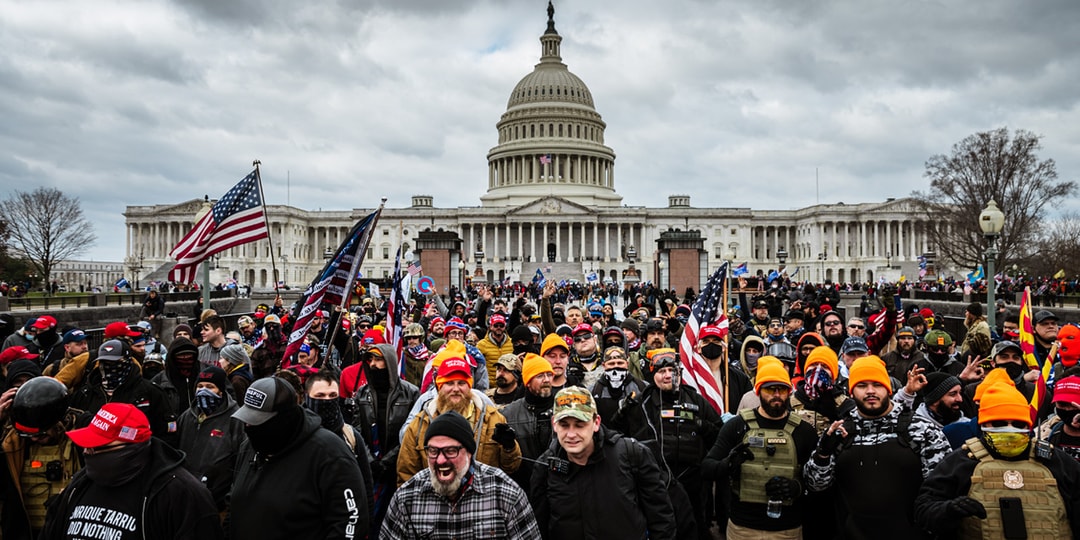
545, 412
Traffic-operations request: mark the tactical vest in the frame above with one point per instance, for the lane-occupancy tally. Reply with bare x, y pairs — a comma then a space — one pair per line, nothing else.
680, 433
1029, 481
819, 421
783, 461
44, 462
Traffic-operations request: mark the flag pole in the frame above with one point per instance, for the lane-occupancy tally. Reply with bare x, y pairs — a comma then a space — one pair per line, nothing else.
357, 260
266, 220
727, 337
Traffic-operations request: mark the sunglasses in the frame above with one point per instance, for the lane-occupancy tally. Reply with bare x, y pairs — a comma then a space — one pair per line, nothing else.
1008, 423
832, 323
583, 337
858, 326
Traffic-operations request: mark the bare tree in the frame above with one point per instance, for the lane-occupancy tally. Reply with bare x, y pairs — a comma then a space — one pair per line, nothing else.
47, 226
1058, 248
986, 166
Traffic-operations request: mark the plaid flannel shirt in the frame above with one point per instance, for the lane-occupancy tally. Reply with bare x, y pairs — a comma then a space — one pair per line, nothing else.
492, 506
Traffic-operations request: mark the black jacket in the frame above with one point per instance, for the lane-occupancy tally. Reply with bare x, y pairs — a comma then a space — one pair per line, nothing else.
683, 442
211, 446
399, 402
619, 493
137, 391
530, 417
313, 489
175, 504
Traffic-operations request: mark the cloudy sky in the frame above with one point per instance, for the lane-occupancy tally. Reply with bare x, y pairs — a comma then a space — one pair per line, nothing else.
736, 103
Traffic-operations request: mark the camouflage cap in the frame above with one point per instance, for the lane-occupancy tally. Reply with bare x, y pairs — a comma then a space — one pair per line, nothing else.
574, 402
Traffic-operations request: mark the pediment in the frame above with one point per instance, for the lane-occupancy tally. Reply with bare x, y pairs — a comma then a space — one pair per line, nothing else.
191, 207
551, 206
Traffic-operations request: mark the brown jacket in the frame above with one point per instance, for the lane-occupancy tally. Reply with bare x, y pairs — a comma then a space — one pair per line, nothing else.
412, 458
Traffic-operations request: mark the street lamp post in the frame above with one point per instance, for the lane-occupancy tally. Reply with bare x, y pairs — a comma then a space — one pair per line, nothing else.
822, 257
660, 275
991, 221
461, 275
781, 256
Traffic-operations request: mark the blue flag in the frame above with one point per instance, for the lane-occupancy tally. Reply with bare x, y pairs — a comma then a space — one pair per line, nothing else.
122, 283
975, 275
740, 270
539, 278
773, 275
793, 273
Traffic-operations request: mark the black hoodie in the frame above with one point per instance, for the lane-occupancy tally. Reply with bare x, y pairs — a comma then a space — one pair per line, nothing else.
168, 503
179, 389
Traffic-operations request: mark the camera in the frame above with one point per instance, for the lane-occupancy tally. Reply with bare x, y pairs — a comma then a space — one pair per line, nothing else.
54, 471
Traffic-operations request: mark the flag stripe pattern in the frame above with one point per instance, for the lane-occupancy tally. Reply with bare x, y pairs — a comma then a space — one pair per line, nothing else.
1027, 346
237, 218
399, 297
331, 285
706, 311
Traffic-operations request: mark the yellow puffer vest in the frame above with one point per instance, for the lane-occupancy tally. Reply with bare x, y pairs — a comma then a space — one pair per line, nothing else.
1029, 481
783, 461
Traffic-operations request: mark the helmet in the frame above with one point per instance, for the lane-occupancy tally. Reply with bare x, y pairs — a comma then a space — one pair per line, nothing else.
783, 350
662, 358
39, 404
414, 329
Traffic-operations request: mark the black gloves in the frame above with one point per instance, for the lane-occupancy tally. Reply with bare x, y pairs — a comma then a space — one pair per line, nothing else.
739, 455
830, 443
962, 507
780, 488
382, 469
505, 435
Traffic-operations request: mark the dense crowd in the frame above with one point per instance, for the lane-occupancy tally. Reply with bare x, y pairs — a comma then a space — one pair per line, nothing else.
553, 412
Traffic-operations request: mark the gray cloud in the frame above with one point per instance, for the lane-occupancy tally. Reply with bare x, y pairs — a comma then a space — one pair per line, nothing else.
735, 103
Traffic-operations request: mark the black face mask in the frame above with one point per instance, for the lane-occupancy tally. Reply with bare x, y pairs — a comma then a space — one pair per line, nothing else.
273, 435
1066, 416
118, 467
527, 348
712, 351
937, 358
114, 373
1014, 370
329, 410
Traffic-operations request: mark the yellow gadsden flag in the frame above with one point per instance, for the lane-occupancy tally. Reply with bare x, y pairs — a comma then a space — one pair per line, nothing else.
1060, 274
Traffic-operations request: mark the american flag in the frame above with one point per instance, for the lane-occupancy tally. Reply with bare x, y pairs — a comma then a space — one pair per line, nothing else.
414, 268
545, 159
236, 219
706, 311
395, 311
333, 285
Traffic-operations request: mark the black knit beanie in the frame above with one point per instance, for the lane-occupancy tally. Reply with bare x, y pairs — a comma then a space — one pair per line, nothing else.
937, 385
453, 425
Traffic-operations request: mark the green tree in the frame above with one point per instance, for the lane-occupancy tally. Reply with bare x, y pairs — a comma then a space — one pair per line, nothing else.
990, 165
46, 226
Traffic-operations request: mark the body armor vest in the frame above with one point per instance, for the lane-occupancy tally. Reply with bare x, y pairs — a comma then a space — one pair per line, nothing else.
680, 433
781, 460
1029, 481
45, 473
818, 420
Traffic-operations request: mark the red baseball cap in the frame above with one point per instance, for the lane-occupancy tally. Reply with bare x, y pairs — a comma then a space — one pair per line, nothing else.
582, 328
17, 352
496, 319
119, 329
1067, 390
113, 422
373, 337
714, 331
45, 322
454, 369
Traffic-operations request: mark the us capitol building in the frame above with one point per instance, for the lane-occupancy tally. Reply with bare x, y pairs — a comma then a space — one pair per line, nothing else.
551, 204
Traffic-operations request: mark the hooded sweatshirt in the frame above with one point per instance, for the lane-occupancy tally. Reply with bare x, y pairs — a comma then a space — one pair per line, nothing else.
750, 372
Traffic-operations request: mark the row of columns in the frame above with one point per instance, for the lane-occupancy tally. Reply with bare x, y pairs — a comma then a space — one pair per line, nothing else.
564, 168
842, 240
521, 241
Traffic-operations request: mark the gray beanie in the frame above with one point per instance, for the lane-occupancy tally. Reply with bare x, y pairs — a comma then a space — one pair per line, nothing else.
235, 354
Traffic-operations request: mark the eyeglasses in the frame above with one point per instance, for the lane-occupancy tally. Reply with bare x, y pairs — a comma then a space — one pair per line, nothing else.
450, 452
775, 389
832, 323
583, 337
1008, 423
412, 337
857, 326
776, 325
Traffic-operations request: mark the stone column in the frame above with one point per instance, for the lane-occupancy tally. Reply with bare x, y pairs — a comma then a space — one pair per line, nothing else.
595, 240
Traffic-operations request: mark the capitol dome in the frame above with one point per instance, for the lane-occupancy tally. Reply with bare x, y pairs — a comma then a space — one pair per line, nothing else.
551, 139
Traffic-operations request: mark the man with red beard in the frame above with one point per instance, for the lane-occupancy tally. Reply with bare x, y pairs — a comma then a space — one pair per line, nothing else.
497, 443
457, 496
